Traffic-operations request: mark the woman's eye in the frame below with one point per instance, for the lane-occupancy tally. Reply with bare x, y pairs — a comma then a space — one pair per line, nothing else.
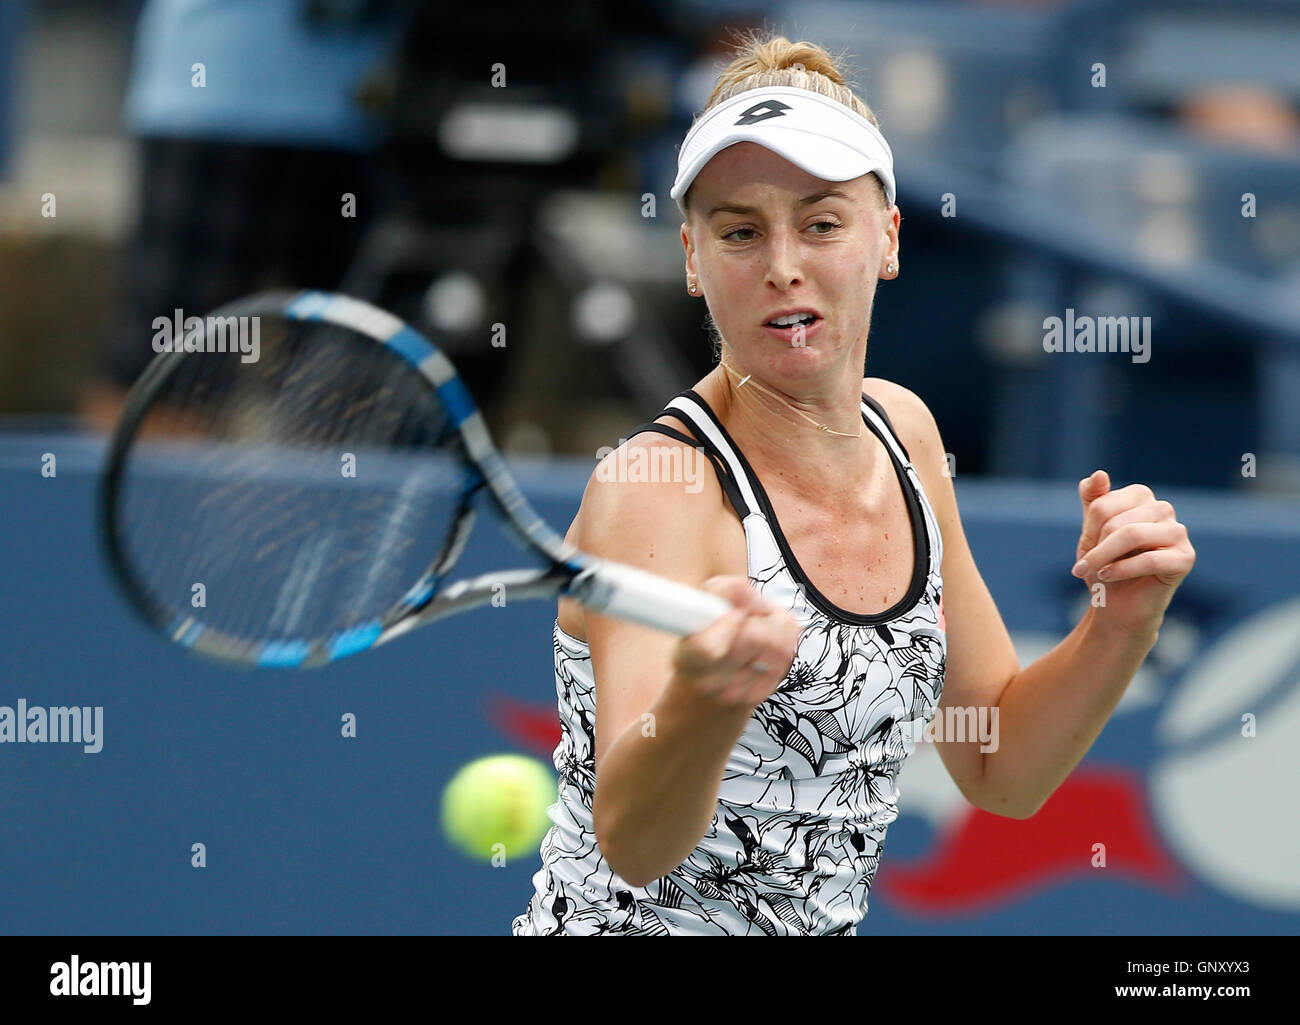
747, 234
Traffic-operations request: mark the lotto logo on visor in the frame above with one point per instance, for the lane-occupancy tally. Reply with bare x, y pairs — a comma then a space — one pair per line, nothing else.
762, 111
816, 133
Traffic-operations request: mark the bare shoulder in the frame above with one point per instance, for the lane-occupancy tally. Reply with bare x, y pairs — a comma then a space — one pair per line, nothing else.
912, 420
655, 503
917, 430
652, 502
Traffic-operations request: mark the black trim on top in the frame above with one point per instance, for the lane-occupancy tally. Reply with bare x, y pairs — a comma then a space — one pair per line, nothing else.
880, 411
920, 536
728, 485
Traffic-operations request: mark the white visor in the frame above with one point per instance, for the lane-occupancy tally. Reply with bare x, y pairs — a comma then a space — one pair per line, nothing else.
813, 132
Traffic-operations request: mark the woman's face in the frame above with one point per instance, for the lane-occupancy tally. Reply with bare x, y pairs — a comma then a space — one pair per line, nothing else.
765, 237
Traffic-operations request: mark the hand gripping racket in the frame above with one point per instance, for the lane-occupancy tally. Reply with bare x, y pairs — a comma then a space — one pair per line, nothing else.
297, 486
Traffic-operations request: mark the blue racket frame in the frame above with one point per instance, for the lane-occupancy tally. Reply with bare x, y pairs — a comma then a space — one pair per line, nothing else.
424, 601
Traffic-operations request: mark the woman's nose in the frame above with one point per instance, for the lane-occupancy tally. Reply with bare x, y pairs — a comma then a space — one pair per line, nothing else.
782, 259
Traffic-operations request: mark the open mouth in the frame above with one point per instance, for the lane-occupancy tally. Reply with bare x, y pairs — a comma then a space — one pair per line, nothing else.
794, 320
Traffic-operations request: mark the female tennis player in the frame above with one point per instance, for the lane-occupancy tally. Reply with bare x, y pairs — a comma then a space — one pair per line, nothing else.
740, 781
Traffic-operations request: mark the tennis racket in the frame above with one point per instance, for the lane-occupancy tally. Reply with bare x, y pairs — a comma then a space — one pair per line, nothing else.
299, 486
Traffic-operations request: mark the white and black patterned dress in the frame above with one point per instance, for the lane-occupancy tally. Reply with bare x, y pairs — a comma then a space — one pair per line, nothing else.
809, 788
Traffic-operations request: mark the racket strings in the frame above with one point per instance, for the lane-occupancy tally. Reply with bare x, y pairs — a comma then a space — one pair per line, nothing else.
306, 492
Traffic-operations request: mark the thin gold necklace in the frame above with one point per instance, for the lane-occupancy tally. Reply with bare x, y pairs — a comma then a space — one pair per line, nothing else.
768, 391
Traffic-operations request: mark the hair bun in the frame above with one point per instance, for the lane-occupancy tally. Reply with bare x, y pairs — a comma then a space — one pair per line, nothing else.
775, 60
779, 54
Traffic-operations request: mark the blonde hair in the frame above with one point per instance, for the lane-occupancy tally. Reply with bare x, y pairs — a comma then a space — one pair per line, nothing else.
775, 60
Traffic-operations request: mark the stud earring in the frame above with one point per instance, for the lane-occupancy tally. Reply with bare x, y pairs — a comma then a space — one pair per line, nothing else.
691, 288
890, 269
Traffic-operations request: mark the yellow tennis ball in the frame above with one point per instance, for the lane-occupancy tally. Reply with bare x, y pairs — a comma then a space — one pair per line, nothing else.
495, 808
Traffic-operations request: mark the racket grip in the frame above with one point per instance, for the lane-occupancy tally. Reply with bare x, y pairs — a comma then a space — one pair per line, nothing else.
633, 594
